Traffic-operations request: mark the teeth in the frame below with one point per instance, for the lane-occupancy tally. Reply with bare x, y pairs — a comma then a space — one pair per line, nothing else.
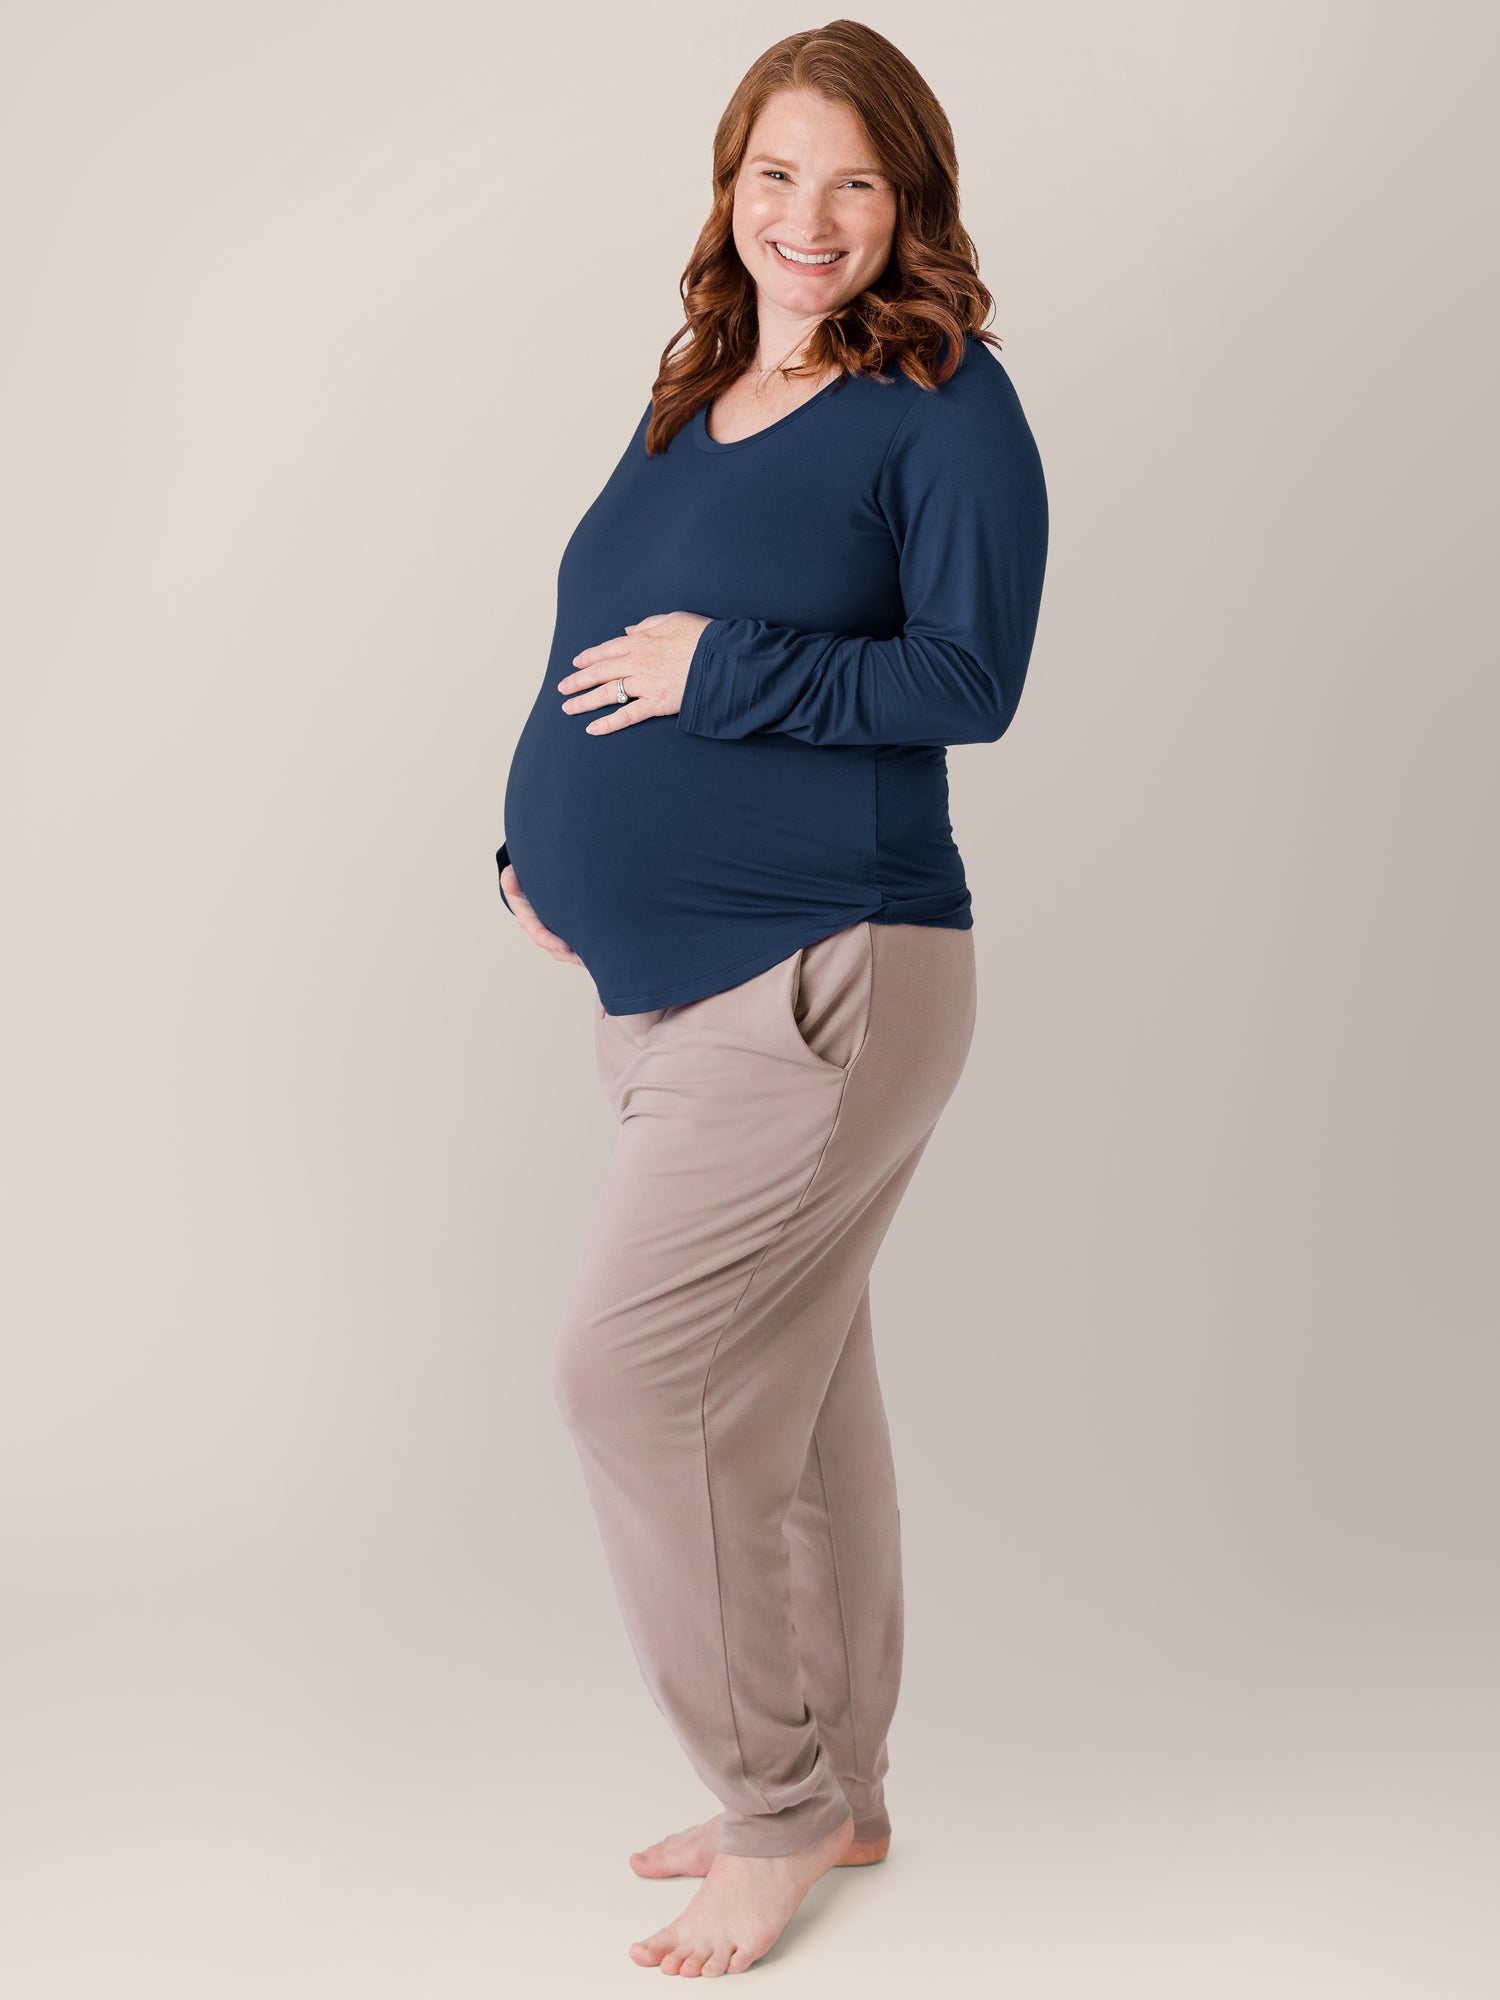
794, 257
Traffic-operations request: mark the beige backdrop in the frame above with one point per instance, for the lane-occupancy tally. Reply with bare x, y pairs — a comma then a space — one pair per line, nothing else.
315, 1683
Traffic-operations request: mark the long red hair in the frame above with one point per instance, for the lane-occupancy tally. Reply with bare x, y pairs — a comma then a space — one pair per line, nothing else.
916, 313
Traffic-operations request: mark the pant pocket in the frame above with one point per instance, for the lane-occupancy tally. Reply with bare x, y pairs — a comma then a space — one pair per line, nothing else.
825, 997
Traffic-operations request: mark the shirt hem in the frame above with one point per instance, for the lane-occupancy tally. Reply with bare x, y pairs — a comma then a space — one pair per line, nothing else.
721, 978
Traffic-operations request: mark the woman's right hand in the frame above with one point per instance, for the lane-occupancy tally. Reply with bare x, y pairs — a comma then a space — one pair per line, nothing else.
531, 923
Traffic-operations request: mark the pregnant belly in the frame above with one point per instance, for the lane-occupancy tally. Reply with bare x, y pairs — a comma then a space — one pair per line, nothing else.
655, 828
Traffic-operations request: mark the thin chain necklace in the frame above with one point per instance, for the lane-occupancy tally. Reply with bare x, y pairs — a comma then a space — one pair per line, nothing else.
775, 369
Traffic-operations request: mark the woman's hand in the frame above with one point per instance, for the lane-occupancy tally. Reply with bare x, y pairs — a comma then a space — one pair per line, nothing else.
531, 923
652, 660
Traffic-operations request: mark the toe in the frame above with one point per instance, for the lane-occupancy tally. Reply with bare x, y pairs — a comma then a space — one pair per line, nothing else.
718, 1964
691, 1966
651, 1950
673, 1960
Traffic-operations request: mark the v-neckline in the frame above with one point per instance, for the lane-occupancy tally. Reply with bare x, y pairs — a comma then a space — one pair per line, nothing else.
706, 442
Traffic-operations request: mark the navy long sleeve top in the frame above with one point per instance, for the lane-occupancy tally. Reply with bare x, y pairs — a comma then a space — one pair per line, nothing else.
871, 566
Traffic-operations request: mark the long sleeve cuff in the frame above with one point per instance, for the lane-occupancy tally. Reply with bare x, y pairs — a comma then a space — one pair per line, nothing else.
824, 687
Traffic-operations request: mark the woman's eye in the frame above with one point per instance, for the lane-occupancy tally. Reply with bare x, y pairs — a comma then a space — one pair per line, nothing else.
775, 173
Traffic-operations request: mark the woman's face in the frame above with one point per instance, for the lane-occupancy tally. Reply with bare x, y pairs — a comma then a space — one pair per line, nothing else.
810, 182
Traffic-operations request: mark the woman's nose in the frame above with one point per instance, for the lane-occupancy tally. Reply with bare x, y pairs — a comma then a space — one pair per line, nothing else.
811, 219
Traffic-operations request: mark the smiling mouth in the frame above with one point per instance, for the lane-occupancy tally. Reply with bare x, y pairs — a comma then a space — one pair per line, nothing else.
810, 260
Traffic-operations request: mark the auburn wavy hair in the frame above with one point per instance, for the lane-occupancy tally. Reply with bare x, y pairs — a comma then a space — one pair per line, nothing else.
929, 294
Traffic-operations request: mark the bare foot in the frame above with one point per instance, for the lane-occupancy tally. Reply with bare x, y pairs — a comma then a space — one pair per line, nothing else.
691, 1852
744, 1905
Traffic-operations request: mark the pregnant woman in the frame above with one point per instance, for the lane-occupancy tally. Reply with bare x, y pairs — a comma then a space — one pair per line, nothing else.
818, 563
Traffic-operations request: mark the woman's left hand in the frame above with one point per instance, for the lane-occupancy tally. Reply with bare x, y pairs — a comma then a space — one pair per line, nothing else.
652, 659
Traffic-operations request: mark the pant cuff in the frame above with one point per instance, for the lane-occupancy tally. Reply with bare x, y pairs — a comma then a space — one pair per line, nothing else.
786, 1832
867, 1803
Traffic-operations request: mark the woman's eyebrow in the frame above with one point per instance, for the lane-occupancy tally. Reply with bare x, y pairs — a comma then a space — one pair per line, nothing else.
791, 166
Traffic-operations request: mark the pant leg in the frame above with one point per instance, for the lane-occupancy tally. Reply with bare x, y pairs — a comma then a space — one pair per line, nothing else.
767, 1134
844, 1533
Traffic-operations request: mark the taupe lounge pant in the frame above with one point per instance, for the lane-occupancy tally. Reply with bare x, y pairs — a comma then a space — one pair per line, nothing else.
716, 1371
